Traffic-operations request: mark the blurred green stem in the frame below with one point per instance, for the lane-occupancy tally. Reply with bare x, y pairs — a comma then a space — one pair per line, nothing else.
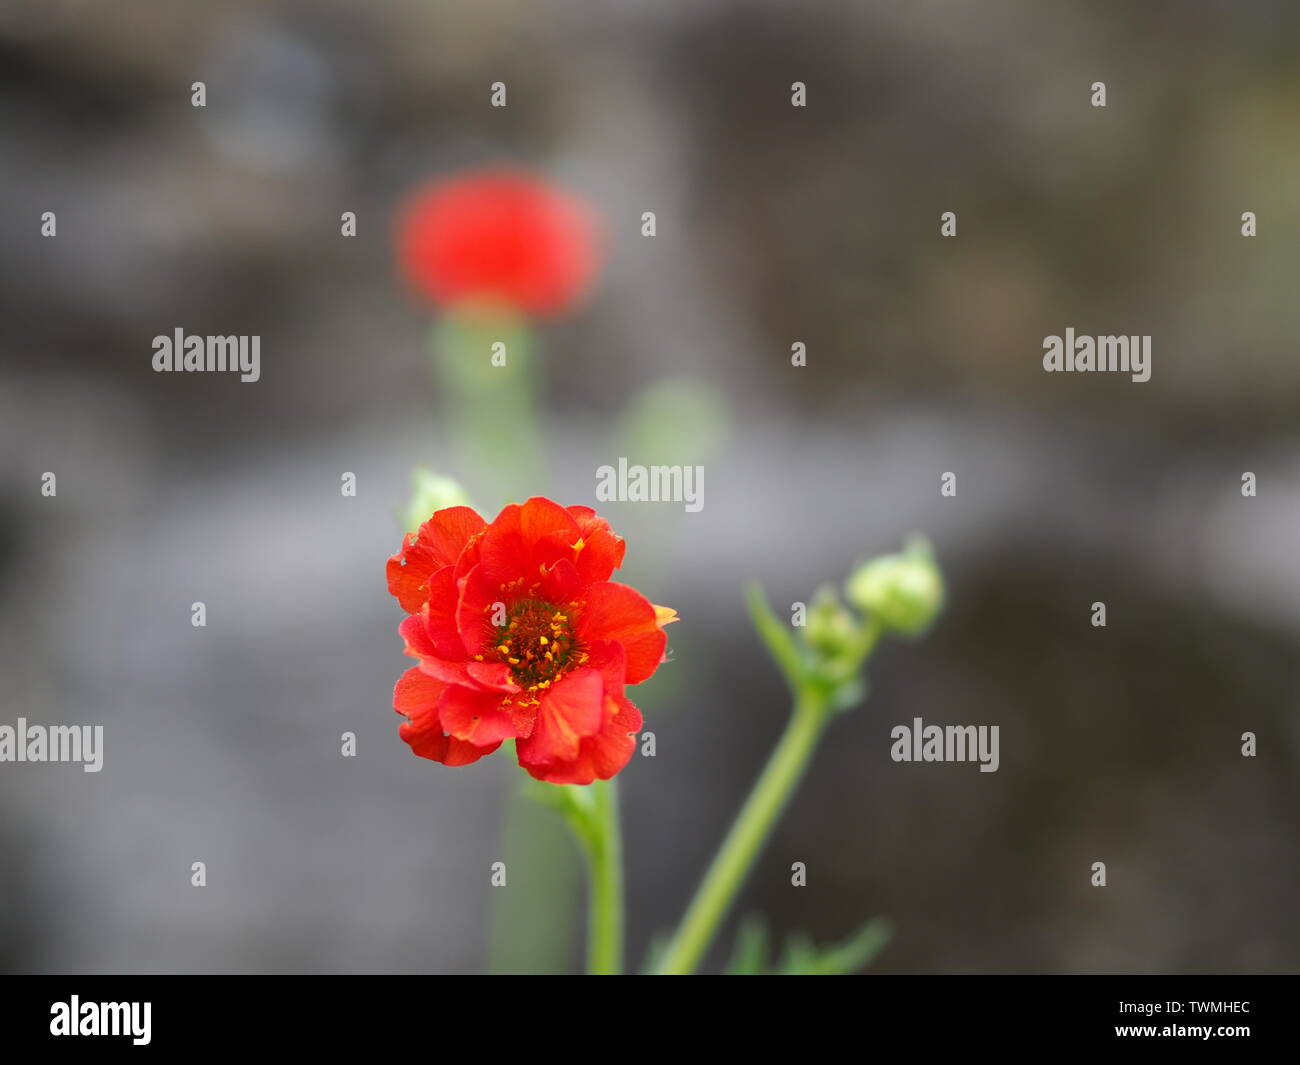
491, 406
815, 704
592, 813
731, 866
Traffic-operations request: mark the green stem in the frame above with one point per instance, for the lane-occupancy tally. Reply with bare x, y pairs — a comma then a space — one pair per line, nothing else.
727, 873
605, 872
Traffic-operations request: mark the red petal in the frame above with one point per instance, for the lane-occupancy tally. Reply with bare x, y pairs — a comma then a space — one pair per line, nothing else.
416, 634
611, 750
438, 543
600, 756
602, 551
622, 614
495, 675
524, 718
610, 660
408, 574
474, 610
561, 583
448, 531
459, 673
498, 235
475, 716
434, 744
416, 697
569, 711
440, 615
524, 538
417, 693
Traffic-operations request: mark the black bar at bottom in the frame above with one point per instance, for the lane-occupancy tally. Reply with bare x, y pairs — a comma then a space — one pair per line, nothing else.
1229, 1015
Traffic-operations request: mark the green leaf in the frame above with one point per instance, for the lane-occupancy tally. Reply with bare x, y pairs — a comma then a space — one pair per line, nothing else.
431, 492
778, 637
801, 958
654, 952
575, 803
749, 958
847, 694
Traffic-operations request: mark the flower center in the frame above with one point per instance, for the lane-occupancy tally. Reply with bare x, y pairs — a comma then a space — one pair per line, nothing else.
538, 644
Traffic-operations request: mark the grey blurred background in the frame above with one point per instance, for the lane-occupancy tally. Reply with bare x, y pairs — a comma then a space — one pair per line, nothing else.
775, 224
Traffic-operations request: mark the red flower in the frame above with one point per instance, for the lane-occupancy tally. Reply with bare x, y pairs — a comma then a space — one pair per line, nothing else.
519, 634
497, 236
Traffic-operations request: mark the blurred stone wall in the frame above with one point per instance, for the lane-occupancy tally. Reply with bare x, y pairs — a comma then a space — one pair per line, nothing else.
819, 225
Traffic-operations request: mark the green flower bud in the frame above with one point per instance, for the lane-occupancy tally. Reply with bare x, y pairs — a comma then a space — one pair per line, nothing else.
431, 492
903, 592
830, 629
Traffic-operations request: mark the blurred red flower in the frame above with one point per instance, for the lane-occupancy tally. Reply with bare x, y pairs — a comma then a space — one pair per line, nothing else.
519, 634
497, 236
